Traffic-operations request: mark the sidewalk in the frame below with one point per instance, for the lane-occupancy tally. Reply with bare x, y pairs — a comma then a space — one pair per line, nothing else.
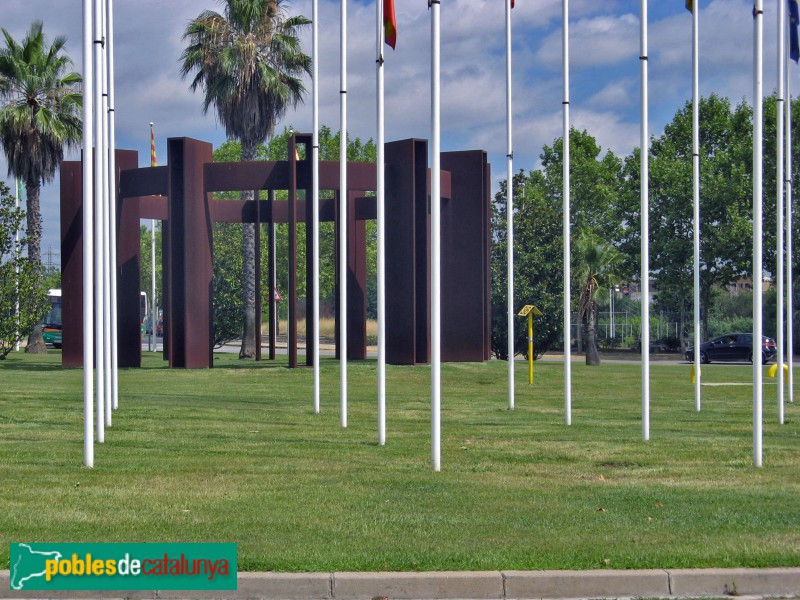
501, 585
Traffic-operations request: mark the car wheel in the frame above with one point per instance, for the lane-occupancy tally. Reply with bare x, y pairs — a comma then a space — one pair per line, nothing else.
750, 358
704, 358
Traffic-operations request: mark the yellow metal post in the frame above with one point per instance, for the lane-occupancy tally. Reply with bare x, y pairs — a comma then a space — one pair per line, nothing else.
529, 310
530, 348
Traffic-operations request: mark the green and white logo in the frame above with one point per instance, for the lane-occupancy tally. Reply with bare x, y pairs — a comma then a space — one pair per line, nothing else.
123, 567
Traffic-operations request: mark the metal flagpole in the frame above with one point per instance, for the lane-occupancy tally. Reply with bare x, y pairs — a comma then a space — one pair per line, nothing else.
154, 312
510, 212
788, 233
88, 241
343, 216
98, 223
436, 211
780, 106
16, 270
758, 103
315, 195
380, 199
103, 109
696, 193
566, 227
645, 241
112, 203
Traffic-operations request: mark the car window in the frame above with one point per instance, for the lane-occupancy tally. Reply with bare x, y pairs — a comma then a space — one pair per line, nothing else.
727, 339
746, 340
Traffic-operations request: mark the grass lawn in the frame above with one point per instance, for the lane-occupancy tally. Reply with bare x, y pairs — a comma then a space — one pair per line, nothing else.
236, 454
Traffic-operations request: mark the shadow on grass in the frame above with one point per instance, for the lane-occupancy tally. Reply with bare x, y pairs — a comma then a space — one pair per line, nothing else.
30, 366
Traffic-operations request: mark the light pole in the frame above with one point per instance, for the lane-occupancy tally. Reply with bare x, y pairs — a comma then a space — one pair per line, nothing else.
611, 310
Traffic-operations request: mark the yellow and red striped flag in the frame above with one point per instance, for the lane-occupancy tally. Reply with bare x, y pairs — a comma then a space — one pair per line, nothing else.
153, 160
390, 23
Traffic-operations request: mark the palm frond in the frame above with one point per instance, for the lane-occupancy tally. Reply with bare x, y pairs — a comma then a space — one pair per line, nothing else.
249, 64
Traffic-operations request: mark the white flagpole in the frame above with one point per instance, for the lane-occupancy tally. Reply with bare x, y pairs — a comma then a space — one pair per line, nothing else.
154, 311
436, 244
343, 215
16, 270
153, 301
380, 199
99, 156
112, 203
566, 226
788, 225
780, 107
510, 212
758, 103
696, 193
88, 240
103, 77
645, 241
315, 193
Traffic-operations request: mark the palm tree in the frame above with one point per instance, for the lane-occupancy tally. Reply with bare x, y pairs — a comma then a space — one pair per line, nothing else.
597, 261
249, 63
40, 105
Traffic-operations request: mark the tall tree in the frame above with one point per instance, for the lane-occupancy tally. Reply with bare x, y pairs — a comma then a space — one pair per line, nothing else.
249, 64
40, 103
725, 203
538, 237
596, 267
22, 297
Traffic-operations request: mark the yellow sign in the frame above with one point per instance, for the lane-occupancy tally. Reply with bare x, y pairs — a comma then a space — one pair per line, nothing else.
527, 309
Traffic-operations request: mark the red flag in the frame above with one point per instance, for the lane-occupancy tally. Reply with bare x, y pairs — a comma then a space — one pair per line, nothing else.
512, 3
390, 23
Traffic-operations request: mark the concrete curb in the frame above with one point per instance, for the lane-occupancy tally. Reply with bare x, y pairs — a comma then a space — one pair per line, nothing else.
473, 585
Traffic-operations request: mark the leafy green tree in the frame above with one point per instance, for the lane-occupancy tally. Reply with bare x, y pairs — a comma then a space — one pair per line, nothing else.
725, 204
597, 262
19, 280
39, 116
145, 250
249, 64
538, 240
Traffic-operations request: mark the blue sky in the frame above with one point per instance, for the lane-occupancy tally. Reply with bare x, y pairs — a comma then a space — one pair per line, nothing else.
605, 86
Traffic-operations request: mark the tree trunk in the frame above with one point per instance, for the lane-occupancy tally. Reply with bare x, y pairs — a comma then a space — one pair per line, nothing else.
36, 343
249, 284
592, 355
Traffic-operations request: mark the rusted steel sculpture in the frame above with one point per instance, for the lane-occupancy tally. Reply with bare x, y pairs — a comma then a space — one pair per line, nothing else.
180, 194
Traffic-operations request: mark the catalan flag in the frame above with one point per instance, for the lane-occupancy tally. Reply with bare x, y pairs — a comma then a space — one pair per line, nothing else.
153, 160
794, 45
690, 5
390, 23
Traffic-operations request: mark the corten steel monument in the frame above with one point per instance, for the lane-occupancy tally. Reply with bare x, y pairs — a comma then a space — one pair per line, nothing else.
180, 194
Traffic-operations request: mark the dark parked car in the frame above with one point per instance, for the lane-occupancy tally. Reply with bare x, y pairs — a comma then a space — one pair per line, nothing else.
733, 346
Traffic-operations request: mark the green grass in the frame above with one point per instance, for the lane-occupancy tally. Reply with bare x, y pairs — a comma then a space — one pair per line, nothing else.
235, 454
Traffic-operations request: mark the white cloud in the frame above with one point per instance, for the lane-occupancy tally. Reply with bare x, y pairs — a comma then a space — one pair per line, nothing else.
595, 41
616, 95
